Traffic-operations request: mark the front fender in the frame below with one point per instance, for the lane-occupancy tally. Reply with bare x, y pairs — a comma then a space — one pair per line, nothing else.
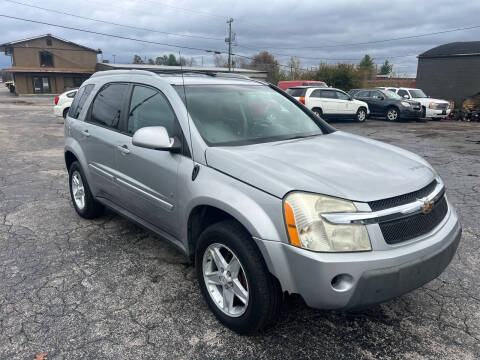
259, 212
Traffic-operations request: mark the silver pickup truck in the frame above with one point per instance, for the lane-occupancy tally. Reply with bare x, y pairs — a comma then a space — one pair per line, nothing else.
264, 196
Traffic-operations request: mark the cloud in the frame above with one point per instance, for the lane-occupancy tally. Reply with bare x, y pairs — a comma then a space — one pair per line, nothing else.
284, 28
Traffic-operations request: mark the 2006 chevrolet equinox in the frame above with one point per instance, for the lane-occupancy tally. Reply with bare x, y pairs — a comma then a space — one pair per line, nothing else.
266, 197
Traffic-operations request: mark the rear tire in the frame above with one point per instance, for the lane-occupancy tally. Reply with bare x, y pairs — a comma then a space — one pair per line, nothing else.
83, 202
264, 296
318, 112
361, 114
65, 112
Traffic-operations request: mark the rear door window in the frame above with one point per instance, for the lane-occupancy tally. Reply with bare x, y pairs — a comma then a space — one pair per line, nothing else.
375, 94
362, 94
328, 94
79, 100
108, 105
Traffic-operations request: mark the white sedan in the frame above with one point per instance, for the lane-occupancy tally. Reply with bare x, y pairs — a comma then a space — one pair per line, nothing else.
63, 102
330, 103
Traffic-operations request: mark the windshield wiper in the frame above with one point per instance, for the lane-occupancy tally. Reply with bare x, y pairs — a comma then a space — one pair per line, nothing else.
301, 136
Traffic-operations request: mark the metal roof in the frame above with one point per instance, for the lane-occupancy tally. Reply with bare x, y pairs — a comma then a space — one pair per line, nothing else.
11, 43
468, 48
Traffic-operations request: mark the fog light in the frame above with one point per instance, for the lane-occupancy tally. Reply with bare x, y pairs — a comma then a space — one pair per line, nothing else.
342, 282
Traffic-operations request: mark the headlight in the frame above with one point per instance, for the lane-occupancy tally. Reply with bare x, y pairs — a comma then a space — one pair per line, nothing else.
406, 104
432, 105
308, 229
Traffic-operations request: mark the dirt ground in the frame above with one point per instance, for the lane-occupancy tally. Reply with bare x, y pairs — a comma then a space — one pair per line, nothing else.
78, 289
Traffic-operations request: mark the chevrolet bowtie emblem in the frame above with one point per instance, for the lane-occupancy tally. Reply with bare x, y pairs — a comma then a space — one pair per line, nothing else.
427, 206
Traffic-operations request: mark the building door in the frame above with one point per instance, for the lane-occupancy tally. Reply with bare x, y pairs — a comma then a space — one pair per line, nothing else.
41, 85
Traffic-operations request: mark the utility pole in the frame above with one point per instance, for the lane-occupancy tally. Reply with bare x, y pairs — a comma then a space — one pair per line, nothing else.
114, 58
229, 41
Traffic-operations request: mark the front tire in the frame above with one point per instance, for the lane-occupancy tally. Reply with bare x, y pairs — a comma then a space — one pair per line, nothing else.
65, 112
392, 114
83, 202
361, 115
234, 278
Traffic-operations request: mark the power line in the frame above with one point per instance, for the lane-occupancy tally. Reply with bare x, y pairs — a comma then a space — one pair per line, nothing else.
376, 41
112, 23
144, 41
111, 35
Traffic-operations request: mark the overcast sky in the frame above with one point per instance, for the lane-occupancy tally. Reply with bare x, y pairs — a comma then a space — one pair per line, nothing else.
314, 31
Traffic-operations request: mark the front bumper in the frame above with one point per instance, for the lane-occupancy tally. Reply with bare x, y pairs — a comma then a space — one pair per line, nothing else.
368, 277
410, 113
431, 113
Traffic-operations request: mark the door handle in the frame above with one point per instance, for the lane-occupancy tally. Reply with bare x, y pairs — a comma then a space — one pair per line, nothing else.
86, 133
123, 149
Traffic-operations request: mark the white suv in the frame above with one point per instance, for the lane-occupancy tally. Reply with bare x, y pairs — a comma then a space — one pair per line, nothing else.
330, 103
63, 103
431, 108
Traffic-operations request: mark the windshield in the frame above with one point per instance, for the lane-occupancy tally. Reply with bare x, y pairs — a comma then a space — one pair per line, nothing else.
392, 95
245, 114
417, 93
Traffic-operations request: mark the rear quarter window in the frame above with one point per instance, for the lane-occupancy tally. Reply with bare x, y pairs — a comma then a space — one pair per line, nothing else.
79, 100
296, 92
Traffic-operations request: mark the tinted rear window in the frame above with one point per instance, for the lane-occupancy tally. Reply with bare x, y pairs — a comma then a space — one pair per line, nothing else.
297, 92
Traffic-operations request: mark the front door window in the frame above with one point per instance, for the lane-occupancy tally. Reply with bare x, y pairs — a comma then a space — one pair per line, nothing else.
41, 85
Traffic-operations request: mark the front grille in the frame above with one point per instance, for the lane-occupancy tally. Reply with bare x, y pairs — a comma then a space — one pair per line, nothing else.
402, 199
416, 107
442, 106
410, 227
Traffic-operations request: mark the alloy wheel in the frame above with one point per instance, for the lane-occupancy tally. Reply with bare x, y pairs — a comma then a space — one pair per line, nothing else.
78, 190
392, 115
361, 115
225, 280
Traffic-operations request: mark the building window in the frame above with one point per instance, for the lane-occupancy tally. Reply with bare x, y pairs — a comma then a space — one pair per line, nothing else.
46, 59
49, 41
41, 85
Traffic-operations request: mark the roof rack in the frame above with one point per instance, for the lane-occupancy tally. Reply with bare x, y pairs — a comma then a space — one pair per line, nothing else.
122, 72
198, 72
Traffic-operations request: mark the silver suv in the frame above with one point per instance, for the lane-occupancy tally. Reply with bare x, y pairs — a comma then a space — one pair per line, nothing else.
262, 194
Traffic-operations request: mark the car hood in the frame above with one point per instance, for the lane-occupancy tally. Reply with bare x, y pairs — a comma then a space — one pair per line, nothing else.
429, 100
337, 164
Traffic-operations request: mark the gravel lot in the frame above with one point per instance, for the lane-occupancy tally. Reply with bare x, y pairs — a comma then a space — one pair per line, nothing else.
78, 289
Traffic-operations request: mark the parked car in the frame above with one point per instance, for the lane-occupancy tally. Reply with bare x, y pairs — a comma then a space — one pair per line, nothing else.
352, 92
63, 103
330, 103
436, 109
284, 85
263, 195
387, 104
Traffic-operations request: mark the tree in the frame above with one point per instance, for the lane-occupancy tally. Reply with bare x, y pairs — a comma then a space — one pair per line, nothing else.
172, 60
137, 59
366, 63
151, 62
295, 68
342, 76
264, 61
161, 60
386, 68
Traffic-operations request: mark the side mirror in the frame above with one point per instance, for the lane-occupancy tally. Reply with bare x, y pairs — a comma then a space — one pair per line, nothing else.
406, 96
156, 138
381, 98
